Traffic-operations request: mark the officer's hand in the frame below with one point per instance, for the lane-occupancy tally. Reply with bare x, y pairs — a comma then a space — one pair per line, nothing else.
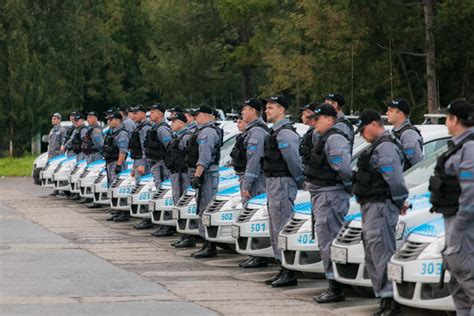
141, 170
246, 194
118, 169
196, 183
62, 149
405, 207
132, 173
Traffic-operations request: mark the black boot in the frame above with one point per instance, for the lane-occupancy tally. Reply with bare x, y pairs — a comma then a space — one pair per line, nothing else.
122, 217
208, 250
186, 242
164, 231
75, 197
254, 262
287, 278
275, 277
94, 205
84, 200
393, 309
144, 224
384, 305
181, 238
54, 193
335, 293
111, 218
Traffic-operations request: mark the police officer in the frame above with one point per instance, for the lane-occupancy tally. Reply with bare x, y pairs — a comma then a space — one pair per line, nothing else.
115, 147
156, 143
246, 157
93, 141
380, 189
56, 136
409, 136
452, 194
238, 151
137, 150
202, 156
127, 122
310, 137
338, 101
329, 181
75, 142
67, 140
284, 172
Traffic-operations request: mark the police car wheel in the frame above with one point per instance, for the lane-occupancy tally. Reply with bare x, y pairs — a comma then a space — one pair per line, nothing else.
363, 291
36, 176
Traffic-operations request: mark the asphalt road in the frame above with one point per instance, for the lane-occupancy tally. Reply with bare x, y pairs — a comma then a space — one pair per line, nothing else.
58, 258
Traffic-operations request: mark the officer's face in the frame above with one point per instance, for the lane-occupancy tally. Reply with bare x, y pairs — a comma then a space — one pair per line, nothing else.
369, 132
131, 115
394, 115
241, 125
452, 123
55, 120
248, 114
189, 117
113, 123
155, 115
139, 116
203, 118
304, 117
177, 125
323, 123
91, 119
274, 112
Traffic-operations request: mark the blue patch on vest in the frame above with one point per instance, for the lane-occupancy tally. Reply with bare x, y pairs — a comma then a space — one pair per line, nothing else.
466, 175
254, 148
336, 160
283, 145
201, 141
166, 139
409, 152
386, 169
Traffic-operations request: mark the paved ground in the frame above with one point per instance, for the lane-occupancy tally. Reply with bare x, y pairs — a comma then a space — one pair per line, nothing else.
58, 257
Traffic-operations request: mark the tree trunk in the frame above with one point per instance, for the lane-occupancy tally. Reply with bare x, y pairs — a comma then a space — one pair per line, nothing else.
431, 89
246, 72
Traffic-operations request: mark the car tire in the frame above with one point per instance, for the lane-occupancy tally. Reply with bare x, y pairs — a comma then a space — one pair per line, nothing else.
36, 176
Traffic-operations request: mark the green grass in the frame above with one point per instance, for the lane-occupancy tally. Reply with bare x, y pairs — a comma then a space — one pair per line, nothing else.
16, 167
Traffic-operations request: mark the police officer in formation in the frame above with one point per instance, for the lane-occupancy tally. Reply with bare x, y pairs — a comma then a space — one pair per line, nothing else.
284, 173
156, 143
77, 137
202, 156
115, 147
127, 121
338, 101
329, 181
452, 194
381, 191
246, 158
310, 137
67, 140
56, 136
409, 136
137, 141
93, 140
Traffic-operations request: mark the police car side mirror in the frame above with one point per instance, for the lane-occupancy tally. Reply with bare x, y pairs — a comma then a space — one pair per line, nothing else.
45, 139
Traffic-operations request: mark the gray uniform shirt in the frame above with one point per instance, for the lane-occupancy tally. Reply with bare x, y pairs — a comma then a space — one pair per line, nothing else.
97, 137
254, 142
55, 140
121, 140
289, 145
129, 125
208, 141
412, 144
343, 126
165, 134
143, 132
388, 160
461, 164
338, 153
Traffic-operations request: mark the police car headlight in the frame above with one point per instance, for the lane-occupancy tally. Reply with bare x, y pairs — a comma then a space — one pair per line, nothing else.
433, 251
233, 204
400, 230
261, 214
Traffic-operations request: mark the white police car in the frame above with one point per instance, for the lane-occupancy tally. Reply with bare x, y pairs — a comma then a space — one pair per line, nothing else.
140, 196
415, 269
46, 175
161, 205
75, 175
60, 178
38, 165
120, 189
100, 188
88, 177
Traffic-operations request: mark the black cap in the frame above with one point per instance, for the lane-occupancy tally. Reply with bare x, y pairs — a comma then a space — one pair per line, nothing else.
139, 108
204, 109
93, 113
401, 104
254, 103
365, 118
461, 109
115, 115
177, 109
277, 99
337, 97
78, 116
158, 106
179, 116
324, 109
311, 106
73, 113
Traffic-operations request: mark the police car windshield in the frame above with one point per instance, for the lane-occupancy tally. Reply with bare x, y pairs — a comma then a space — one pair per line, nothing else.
421, 172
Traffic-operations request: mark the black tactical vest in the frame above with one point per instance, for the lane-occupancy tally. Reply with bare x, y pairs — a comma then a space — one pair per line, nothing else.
318, 171
273, 163
154, 148
345, 121
111, 150
77, 140
306, 145
239, 152
69, 132
135, 145
398, 134
369, 184
445, 189
88, 146
192, 151
174, 159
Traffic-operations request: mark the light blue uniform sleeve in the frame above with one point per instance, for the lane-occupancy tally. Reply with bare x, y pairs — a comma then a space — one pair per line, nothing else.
98, 139
466, 179
289, 144
338, 153
165, 135
254, 143
412, 149
207, 141
122, 141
